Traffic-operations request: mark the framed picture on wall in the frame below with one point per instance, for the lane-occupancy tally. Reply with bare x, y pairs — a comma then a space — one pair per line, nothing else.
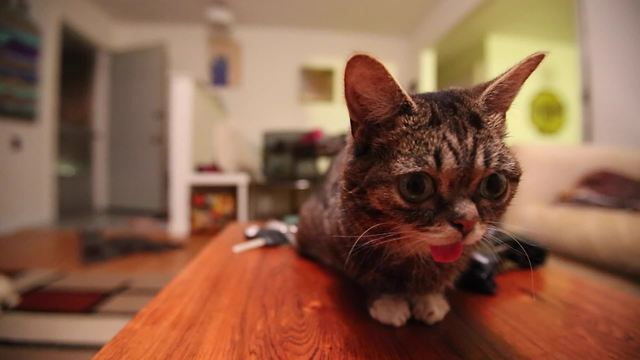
19, 54
224, 63
316, 84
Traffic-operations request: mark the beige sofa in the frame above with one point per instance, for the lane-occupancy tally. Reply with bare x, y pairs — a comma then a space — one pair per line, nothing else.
605, 237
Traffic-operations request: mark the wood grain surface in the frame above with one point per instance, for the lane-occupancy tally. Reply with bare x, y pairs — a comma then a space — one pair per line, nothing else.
272, 304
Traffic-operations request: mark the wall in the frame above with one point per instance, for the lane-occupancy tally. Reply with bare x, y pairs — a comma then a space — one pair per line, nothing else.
549, 19
466, 68
441, 17
559, 72
611, 52
27, 177
209, 131
267, 96
271, 59
265, 100
101, 115
427, 70
499, 34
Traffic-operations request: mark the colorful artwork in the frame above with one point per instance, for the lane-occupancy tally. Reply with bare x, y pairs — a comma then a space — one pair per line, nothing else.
224, 66
19, 52
316, 85
220, 69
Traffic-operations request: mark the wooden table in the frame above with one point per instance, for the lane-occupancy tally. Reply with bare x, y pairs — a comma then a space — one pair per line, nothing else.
270, 303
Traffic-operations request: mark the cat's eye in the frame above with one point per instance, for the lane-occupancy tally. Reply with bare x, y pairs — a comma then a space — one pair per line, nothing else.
493, 186
416, 187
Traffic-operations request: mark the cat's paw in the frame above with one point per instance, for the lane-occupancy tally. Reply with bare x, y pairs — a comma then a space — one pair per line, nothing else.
390, 310
430, 308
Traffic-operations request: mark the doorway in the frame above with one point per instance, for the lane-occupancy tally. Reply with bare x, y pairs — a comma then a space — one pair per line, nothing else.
137, 132
75, 135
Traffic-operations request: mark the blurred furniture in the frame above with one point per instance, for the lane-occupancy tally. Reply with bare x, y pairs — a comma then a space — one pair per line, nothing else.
294, 162
294, 155
222, 194
272, 303
605, 237
277, 199
183, 178
285, 157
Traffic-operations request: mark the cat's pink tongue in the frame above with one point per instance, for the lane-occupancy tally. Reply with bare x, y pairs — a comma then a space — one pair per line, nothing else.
446, 253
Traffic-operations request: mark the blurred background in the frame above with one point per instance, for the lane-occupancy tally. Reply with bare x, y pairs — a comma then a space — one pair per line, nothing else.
146, 126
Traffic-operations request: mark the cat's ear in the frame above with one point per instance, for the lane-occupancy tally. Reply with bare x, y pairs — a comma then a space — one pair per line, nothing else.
496, 96
372, 94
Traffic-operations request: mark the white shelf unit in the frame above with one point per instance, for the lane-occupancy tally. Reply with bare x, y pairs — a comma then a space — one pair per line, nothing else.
181, 175
239, 180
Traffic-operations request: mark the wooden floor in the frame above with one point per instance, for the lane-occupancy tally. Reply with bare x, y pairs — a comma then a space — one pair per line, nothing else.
60, 250
270, 303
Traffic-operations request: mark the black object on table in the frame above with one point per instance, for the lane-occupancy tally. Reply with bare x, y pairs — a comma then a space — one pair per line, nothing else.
507, 252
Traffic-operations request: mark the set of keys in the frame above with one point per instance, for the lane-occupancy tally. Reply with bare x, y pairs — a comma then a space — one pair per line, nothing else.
274, 233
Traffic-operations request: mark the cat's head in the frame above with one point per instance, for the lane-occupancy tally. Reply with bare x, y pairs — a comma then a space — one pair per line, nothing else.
431, 167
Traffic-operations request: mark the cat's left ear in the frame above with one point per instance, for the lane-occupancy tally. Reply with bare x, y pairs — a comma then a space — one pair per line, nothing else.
496, 96
372, 94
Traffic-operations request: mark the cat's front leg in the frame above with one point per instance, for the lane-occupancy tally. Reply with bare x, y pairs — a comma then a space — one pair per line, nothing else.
430, 308
390, 310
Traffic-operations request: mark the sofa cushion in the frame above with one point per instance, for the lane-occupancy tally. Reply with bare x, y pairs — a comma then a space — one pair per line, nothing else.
605, 189
605, 237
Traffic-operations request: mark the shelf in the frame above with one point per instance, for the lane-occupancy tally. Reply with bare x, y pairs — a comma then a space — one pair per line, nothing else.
220, 179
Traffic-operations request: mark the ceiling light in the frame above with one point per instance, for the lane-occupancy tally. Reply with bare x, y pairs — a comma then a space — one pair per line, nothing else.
219, 14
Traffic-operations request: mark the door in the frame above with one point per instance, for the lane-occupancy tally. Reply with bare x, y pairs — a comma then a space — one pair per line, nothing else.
75, 135
137, 131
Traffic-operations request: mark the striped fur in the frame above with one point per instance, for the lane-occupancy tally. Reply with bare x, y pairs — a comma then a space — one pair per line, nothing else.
359, 224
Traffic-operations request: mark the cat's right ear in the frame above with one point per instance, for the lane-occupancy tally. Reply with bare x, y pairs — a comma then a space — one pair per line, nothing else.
372, 94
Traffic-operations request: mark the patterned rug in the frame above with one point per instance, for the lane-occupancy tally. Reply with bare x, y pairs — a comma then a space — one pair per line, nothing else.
71, 314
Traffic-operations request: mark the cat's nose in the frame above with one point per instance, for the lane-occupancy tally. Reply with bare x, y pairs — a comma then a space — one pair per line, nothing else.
465, 226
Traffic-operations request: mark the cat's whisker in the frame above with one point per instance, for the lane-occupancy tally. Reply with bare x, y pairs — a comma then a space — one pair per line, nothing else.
402, 236
489, 247
415, 245
502, 242
357, 236
370, 235
533, 294
386, 241
386, 254
376, 239
505, 225
378, 242
360, 237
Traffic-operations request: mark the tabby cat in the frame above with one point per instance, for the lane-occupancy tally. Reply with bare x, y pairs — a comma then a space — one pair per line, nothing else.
421, 179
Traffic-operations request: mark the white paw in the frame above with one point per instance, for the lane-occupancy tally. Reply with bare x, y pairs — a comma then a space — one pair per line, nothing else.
390, 310
430, 308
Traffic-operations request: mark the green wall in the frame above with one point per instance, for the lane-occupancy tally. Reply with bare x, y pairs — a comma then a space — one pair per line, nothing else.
558, 73
500, 34
427, 70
